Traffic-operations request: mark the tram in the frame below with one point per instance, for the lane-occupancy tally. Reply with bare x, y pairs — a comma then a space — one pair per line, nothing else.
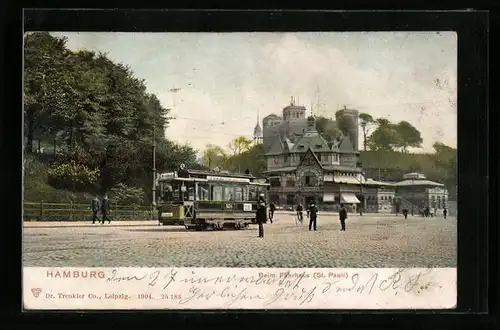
202, 200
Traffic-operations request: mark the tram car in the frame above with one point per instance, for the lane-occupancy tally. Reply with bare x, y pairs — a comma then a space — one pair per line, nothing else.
202, 200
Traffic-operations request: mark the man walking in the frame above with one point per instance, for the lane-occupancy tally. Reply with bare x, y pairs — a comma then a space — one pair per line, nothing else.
405, 213
272, 208
445, 212
342, 217
261, 215
300, 213
95, 205
313, 215
105, 209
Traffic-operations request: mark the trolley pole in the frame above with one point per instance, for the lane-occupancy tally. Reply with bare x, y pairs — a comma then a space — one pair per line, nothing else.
153, 189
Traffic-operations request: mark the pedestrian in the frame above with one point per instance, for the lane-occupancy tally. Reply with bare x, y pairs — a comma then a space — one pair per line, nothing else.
300, 213
272, 208
342, 217
105, 209
445, 212
405, 213
261, 214
313, 215
95, 205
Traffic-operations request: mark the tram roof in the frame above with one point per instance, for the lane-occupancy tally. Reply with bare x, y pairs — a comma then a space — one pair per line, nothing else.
219, 174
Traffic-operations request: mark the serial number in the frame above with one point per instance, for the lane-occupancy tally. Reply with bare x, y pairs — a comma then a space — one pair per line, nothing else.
171, 296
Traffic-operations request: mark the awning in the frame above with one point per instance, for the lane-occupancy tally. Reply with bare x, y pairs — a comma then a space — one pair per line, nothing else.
328, 197
346, 179
349, 199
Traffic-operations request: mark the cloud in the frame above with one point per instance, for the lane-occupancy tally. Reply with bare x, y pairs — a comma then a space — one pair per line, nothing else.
228, 78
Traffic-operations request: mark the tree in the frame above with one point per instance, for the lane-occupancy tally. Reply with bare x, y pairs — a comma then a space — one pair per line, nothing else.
409, 136
240, 144
385, 137
123, 194
103, 113
44, 58
383, 122
214, 156
253, 160
327, 128
365, 120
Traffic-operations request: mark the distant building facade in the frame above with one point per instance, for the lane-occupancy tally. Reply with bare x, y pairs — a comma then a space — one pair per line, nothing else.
416, 190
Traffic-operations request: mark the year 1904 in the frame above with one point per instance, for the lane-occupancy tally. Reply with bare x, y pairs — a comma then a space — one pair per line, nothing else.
149, 296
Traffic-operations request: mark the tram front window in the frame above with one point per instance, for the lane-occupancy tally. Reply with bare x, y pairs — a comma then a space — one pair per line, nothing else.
178, 192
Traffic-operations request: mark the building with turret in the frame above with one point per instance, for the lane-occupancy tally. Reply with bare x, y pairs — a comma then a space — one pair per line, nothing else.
257, 132
302, 165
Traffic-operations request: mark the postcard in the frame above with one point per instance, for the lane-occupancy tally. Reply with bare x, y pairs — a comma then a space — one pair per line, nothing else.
181, 171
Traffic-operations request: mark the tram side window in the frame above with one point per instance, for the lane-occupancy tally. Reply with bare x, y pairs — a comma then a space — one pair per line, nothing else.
216, 193
228, 193
203, 192
253, 193
245, 193
238, 193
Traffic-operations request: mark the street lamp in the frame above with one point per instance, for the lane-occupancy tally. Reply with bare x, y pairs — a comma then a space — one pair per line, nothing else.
359, 164
154, 173
412, 194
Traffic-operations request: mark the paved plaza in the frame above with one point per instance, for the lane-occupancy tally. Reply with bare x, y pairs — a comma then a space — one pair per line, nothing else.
370, 241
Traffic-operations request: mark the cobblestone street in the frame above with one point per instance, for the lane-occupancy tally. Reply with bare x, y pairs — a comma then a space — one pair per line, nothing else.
370, 241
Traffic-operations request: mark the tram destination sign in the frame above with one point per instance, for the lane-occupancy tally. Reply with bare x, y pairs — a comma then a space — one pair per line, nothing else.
227, 179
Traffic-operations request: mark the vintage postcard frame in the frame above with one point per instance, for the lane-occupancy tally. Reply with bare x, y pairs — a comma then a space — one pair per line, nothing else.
471, 28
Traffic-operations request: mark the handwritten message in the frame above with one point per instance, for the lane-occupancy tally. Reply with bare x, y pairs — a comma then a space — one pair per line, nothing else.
238, 288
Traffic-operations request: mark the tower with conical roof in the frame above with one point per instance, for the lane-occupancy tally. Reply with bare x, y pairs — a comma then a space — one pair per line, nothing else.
257, 131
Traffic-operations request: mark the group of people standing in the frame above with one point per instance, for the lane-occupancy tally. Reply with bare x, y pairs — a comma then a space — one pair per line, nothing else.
312, 214
103, 206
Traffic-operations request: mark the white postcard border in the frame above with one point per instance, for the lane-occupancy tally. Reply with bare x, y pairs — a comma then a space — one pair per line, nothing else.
73, 288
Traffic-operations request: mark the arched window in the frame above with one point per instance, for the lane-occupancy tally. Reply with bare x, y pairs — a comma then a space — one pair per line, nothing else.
309, 179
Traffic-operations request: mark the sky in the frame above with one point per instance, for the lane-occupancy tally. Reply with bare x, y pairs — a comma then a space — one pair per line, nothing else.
224, 81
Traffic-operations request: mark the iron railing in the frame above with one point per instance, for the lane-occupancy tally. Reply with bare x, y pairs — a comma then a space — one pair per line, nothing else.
41, 211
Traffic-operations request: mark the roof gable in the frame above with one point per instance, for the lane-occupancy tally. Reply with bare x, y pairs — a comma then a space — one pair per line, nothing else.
277, 146
310, 159
310, 140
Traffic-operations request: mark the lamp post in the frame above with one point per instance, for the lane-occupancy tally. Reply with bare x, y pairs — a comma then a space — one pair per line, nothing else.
361, 195
359, 164
153, 189
412, 194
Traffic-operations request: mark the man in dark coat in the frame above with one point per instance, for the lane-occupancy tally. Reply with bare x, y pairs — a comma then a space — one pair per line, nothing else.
95, 206
405, 213
445, 212
272, 208
342, 217
105, 209
313, 215
261, 215
300, 212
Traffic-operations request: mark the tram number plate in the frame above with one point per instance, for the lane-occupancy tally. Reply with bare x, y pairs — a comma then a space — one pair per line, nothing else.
167, 214
247, 207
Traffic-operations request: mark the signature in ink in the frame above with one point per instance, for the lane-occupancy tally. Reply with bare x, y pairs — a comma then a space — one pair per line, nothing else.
395, 282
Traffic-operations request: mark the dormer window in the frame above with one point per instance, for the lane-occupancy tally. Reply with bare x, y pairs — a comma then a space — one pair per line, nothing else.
301, 146
318, 146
